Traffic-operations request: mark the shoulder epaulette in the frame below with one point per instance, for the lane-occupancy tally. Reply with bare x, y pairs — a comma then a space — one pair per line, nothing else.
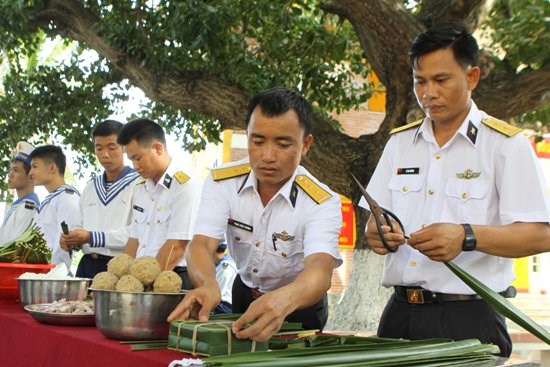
68, 190
230, 172
316, 192
141, 180
406, 127
30, 205
501, 126
181, 177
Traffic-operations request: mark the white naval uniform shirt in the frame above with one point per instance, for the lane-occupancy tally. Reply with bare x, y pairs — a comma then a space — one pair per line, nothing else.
106, 212
164, 211
303, 227
61, 205
423, 183
226, 271
19, 217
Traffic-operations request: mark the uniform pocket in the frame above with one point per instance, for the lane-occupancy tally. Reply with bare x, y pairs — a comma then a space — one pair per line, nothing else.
407, 192
467, 201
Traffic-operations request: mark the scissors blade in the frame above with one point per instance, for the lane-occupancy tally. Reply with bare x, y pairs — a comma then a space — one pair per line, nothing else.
373, 205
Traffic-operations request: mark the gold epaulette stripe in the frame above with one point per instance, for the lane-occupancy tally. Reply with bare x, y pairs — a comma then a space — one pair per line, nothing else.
181, 177
316, 192
406, 127
501, 126
141, 181
230, 172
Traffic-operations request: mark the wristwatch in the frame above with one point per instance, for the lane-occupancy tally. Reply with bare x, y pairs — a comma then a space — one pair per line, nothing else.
470, 241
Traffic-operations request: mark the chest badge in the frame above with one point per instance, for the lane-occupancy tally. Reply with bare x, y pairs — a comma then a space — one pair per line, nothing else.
284, 236
468, 174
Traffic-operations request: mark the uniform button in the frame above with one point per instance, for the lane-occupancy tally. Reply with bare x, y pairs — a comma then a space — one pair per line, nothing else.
237, 238
437, 156
158, 221
147, 223
413, 263
430, 192
254, 270
284, 254
258, 244
404, 189
423, 225
465, 195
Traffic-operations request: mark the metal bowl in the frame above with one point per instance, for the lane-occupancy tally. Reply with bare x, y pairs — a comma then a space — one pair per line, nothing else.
134, 315
33, 291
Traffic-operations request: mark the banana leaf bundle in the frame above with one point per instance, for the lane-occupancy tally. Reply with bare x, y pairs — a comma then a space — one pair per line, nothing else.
209, 338
29, 248
368, 352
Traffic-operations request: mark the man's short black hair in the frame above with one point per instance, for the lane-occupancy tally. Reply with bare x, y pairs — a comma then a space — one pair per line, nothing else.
446, 35
143, 131
277, 101
107, 128
51, 154
26, 167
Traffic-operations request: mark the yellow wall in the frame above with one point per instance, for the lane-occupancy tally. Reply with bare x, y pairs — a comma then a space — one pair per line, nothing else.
377, 102
521, 269
226, 139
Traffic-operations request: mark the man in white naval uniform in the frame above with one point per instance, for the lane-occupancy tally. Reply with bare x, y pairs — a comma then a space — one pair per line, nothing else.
165, 199
48, 164
281, 226
467, 188
226, 271
22, 211
105, 205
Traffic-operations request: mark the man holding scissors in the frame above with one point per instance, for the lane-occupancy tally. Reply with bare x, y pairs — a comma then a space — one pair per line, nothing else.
467, 188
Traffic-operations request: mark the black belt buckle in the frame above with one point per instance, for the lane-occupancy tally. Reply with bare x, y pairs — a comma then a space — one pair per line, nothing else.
415, 296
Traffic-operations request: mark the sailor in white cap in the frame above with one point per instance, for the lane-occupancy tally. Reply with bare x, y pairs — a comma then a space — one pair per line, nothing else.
21, 213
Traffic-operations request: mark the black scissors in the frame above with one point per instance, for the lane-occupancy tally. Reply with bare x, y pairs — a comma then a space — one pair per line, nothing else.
379, 213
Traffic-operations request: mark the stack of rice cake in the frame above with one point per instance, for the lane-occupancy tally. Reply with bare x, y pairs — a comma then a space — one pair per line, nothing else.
211, 338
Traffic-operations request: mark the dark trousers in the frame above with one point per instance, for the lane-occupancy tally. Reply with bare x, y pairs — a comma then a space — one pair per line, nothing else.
456, 320
90, 265
313, 317
184, 275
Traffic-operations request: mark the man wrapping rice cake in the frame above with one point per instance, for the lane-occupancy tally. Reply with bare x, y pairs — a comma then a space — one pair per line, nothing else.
280, 223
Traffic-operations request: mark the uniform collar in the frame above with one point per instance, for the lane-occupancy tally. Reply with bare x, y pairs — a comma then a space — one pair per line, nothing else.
469, 128
289, 191
167, 179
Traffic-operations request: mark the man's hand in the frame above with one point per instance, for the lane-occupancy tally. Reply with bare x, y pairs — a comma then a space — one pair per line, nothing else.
264, 317
197, 304
394, 239
439, 241
76, 237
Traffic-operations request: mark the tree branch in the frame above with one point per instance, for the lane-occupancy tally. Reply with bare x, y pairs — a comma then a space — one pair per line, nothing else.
472, 12
210, 96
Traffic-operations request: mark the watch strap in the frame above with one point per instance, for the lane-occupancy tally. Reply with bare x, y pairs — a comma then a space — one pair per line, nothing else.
470, 242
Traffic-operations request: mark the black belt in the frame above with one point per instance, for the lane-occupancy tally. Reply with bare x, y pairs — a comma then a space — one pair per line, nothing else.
421, 296
99, 256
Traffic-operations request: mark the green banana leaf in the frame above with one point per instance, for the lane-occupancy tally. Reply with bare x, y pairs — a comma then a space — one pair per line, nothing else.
501, 304
421, 353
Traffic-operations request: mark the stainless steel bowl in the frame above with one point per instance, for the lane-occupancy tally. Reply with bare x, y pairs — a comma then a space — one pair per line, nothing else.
32, 291
134, 315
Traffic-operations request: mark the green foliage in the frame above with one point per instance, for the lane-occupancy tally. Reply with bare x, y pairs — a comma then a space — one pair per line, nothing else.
253, 45
522, 28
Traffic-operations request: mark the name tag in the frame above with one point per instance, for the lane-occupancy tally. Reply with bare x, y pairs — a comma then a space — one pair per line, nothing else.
408, 171
138, 208
241, 225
